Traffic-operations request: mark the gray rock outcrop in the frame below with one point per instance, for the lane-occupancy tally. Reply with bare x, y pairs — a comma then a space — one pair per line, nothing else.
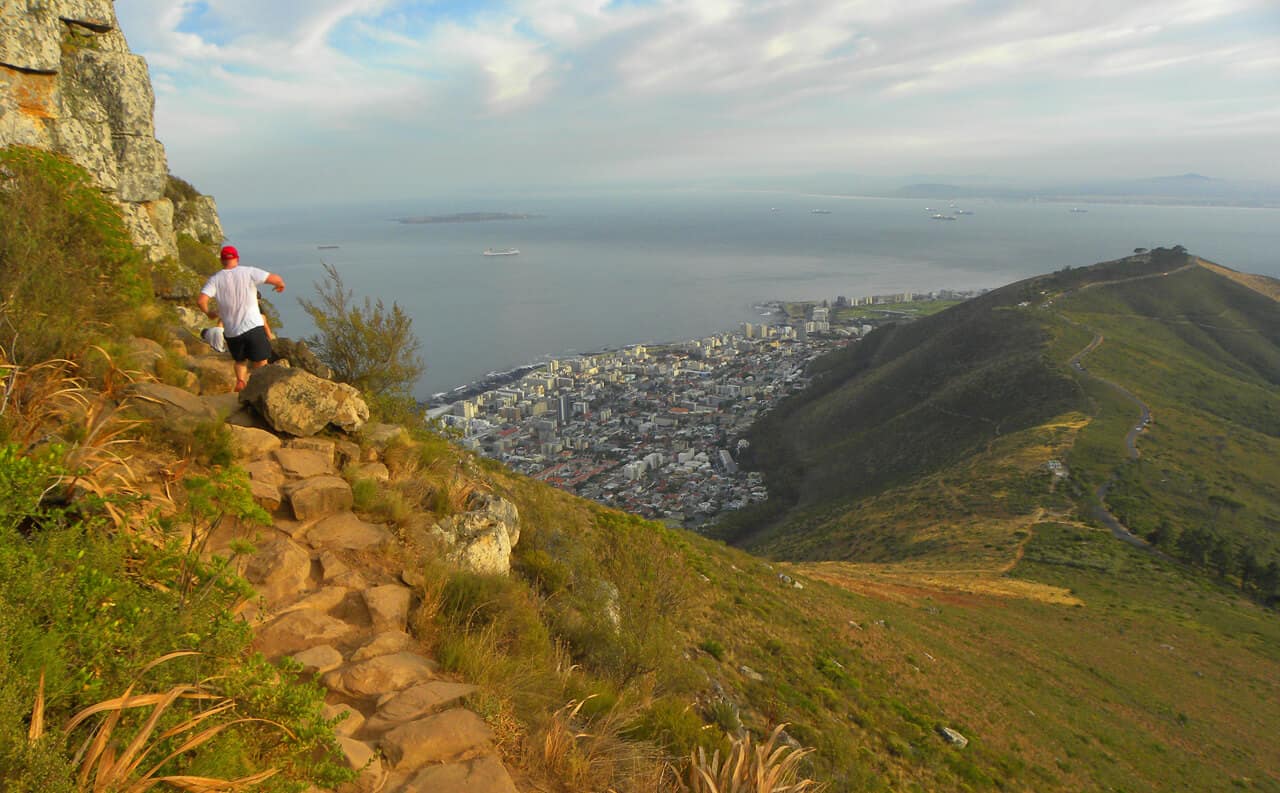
299, 403
70, 85
481, 539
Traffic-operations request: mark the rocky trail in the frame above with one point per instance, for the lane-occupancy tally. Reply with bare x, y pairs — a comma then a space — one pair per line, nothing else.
337, 592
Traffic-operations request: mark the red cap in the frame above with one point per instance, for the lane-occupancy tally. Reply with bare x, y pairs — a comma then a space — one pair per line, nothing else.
229, 252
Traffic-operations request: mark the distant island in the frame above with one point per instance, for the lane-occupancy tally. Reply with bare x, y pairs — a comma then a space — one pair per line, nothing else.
465, 217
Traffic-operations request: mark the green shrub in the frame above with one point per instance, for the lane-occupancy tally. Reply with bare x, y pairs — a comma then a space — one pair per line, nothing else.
369, 346
712, 648
68, 268
677, 727
364, 495
198, 257
546, 573
90, 610
498, 603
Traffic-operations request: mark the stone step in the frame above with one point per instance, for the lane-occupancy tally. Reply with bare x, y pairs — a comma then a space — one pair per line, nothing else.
318, 496
300, 630
442, 737
416, 702
482, 775
342, 530
378, 676
304, 462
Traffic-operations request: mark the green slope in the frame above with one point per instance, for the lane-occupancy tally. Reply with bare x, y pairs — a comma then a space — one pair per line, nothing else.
898, 421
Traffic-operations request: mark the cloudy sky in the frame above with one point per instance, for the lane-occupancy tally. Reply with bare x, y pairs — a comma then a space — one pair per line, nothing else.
299, 101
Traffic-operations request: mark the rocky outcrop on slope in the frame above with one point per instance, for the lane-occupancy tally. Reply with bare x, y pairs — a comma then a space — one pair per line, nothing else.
70, 85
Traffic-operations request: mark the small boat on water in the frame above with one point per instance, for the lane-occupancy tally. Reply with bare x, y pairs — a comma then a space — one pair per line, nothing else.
327, 247
941, 217
501, 252
1079, 211
963, 212
820, 211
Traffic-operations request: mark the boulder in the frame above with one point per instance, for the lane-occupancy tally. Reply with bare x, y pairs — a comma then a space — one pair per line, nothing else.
304, 463
347, 452
482, 775
215, 372
169, 405
388, 607
325, 600
250, 443
319, 659
361, 757
279, 571
265, 494
345, 531
386, 673
351, 722
299, 403
267, 470
437, 738
352, 412
953, 737
321, 446
298, 631
223, 404
481, 540
318, 496
300, 356
142, 353
384, 644
416, 702
375, 471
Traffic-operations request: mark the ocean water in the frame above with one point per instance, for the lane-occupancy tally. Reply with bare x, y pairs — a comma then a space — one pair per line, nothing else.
608, 270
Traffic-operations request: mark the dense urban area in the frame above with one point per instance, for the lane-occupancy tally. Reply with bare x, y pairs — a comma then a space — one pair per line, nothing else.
657, 429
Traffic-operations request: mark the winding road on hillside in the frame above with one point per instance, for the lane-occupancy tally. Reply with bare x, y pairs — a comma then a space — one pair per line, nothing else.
1099, 508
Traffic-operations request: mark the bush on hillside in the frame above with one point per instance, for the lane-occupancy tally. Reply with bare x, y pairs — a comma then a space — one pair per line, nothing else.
369, 346
85, 613
68, 268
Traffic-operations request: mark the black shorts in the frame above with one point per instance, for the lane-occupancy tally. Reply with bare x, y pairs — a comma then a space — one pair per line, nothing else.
252, 345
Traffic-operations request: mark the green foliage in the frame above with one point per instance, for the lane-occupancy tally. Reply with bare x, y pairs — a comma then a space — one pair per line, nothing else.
89, 609
68, 268
198, 257
712, 648
676, 726
368, 346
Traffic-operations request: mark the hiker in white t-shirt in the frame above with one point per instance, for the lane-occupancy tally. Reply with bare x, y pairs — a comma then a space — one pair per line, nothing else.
236, 289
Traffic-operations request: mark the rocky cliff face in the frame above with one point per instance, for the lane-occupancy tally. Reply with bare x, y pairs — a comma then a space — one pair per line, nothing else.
69, 84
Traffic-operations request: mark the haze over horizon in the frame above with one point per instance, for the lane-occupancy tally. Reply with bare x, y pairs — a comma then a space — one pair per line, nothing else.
328, 101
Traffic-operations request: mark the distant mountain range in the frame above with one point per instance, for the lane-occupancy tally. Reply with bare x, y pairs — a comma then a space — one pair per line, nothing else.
1189, 188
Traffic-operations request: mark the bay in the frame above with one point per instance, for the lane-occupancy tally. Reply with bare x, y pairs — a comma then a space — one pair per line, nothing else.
607, 270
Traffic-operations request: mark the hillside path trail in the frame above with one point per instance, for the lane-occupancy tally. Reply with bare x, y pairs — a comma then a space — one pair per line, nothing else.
1098, 508
336, 595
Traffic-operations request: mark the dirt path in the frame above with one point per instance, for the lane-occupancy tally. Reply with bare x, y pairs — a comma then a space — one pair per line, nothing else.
1099, 509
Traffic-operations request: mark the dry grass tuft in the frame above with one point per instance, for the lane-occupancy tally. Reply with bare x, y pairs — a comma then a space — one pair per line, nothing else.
767, 768
596, 757
49, 406
110, 762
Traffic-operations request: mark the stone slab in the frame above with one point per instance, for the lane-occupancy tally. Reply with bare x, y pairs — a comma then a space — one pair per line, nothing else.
438, 738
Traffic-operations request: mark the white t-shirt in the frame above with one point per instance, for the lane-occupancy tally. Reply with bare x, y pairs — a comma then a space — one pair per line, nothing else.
237, 293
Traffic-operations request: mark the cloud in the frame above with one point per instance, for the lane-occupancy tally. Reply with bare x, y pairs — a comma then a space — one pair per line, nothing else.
585, 88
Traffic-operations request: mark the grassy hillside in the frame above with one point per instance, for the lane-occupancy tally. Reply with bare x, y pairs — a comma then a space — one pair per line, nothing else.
958, 588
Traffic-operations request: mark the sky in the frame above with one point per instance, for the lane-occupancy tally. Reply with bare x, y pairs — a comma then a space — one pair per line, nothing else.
298, 102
